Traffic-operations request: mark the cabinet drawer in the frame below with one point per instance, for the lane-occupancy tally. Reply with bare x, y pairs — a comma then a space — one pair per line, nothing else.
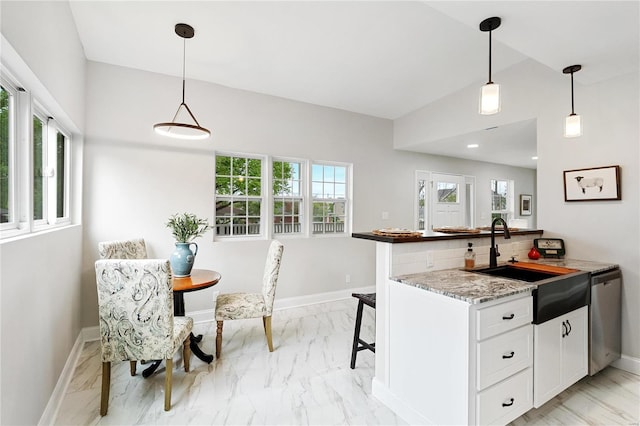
504, 355
507, 400
504, 317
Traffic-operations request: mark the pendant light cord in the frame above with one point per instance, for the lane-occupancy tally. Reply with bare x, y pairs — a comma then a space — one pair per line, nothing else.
490, 57
184, 60
572, 112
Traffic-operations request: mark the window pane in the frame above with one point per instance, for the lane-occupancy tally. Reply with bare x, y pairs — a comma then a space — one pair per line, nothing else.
254, 208
341, 174
38, 179
223, 208
447, 192
316, 173
329, 174
5, 152
239, 167
223, 165
61, 195
254, 167
223, 186
253, 186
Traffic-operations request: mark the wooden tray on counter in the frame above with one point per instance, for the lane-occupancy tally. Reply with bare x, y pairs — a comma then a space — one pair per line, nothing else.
543, 268
457, 230
397, 233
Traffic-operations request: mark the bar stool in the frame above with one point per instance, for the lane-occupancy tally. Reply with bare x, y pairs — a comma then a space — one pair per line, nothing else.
368, 299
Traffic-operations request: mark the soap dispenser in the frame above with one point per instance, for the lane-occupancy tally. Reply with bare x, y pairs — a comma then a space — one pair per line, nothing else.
469, 257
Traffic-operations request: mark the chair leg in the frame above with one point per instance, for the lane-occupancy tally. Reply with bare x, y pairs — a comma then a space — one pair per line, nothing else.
167, 384
106, 383
186, 353
266, 322
219, 339
132, 367
356, 334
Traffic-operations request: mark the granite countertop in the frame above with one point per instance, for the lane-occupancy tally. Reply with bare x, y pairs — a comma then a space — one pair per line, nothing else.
469, 287
475, 288
582, 265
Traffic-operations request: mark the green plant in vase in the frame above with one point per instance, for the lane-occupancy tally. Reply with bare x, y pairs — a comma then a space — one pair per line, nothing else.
185, 228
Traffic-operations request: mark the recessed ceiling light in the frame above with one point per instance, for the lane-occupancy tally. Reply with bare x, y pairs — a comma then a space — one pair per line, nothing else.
473, 145
534, 157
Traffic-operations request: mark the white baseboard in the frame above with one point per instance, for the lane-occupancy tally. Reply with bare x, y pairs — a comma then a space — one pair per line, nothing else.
628, 363
51, 410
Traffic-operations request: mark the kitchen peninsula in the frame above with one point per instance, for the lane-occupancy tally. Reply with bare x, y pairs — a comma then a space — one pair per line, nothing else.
440, 329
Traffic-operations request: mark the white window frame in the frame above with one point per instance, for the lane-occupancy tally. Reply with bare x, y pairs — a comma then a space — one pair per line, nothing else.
21, 166
347, 200
509, 210
303, 197
13, 206
264, 198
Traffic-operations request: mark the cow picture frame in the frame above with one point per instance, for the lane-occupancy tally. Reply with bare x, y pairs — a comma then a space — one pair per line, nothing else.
594, 184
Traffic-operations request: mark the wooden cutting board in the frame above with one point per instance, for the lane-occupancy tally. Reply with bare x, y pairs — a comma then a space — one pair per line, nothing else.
559, 270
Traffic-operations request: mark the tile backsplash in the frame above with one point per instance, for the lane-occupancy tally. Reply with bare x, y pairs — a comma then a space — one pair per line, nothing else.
436, 255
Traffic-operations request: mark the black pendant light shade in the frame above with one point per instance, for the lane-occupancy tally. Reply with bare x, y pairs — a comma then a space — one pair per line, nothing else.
573, 123
173, 128
490, 92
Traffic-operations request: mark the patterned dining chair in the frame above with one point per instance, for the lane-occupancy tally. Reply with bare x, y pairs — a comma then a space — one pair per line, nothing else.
234, 306
125, 249
135, 305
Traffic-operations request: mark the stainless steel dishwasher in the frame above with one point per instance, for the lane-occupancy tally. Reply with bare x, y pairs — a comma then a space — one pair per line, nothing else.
604, 320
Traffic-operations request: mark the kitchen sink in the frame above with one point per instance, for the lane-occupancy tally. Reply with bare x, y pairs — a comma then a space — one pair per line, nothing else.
557, 293
508, 271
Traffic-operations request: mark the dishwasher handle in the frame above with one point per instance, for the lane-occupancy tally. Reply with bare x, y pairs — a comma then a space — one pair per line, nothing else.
605, 276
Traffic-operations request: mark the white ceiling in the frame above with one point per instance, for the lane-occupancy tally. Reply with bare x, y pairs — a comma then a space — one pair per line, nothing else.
381, 58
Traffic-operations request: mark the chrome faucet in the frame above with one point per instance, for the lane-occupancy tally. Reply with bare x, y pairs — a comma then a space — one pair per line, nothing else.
493, 251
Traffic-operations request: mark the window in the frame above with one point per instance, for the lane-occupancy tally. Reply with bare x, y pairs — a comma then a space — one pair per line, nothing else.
329, 193
246, 207
288, 201
501, 199
7, 154
239, 198
34, 176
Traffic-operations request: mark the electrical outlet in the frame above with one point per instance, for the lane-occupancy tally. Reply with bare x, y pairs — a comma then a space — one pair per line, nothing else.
347, 278
385, 215
429, 259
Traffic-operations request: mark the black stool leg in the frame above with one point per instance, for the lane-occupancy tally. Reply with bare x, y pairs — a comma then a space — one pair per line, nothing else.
356, 335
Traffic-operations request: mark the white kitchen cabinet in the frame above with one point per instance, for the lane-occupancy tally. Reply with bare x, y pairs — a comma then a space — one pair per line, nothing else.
560, 354
451, 362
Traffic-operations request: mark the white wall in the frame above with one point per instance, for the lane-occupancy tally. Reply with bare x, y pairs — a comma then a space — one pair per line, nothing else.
134, 180
40, 274
604, 230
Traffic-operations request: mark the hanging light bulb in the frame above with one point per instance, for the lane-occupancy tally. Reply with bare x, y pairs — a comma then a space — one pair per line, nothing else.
176, 129
573, 123
490, 92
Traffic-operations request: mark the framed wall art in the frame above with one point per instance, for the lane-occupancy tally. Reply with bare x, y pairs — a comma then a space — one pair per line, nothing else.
595, 184
525, 205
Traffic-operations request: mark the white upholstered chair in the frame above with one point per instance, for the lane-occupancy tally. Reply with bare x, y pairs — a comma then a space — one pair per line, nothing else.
125, 249
135, 305
235, 306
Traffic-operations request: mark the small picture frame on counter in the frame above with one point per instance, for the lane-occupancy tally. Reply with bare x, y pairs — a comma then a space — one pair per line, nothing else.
525, 204
594, 184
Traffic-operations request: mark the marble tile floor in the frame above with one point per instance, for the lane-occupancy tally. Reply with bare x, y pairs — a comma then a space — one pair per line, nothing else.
306, 380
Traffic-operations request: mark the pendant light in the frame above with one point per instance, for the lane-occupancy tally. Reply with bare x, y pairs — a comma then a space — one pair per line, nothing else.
490, 92
176, 129
572, 124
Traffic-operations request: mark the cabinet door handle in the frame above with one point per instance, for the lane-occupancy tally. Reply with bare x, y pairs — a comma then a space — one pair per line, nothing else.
564, 329
510, 317
508, 404
569, 327
508, 356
